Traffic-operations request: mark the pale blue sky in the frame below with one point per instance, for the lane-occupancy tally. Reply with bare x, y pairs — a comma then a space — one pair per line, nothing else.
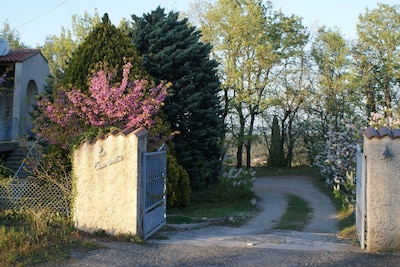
37, 19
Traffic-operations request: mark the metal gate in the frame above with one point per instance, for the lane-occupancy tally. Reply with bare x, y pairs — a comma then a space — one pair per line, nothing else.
154, 186
360, 196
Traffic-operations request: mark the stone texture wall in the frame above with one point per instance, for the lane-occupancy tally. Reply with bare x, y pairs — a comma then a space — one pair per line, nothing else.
382, 193
107, 189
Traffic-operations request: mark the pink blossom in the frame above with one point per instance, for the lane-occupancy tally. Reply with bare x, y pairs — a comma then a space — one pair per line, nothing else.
121, 105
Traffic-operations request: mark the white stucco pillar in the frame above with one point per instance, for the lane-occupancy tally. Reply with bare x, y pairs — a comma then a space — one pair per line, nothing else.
107, 181
382, 153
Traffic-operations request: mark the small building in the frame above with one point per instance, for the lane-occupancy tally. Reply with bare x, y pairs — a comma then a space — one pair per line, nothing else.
27, 71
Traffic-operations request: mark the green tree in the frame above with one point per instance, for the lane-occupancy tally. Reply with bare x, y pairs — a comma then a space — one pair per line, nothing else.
106, 44
12, 36
111, 49
171, 51
237, 31
292, 92
276, 153
335, 96
249, 40
58, 50
377, 55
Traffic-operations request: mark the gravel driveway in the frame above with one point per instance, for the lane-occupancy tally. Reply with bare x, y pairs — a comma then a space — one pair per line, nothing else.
254, 244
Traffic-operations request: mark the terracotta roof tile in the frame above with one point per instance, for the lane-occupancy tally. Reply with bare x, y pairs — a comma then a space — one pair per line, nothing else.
18, 55
396, 133
371, 132
384, 131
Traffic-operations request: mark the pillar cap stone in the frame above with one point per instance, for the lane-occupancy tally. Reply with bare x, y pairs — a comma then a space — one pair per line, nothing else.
371, 132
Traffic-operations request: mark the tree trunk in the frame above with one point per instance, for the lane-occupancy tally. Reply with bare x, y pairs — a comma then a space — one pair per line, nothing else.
242, 122
370, 101
249, 140
290, 144
239, 155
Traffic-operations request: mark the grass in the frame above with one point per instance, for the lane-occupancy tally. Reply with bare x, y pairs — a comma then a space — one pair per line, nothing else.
297, 215
25, 242
232, 213
299, 170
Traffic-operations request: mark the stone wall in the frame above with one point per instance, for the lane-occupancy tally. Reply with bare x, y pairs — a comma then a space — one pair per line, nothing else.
382, 151
107, 189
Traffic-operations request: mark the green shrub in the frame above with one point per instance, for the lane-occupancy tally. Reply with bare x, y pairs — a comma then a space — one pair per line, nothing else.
236, 185
178, 184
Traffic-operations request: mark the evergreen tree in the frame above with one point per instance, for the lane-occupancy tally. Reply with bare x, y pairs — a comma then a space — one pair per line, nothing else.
276, 153
106, 44
171, 51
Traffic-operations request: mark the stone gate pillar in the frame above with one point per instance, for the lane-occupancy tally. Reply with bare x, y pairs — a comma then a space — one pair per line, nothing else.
382, 152
108, 191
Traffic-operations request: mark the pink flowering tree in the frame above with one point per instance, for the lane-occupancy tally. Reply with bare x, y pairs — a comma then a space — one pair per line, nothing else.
73, 115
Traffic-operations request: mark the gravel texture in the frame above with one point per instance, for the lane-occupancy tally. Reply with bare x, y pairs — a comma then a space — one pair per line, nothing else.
254, 244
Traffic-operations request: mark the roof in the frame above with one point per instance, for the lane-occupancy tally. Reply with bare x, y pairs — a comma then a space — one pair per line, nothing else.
371, 132
19, 55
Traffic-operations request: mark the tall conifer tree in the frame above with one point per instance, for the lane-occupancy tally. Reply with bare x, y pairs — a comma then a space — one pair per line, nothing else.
107, 44
171, 51
276, 153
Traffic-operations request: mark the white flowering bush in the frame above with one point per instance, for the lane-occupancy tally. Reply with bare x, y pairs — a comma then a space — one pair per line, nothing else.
236, 184
378, 120
337, 159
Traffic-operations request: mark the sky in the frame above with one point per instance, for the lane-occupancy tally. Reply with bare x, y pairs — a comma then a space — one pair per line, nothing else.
34, 20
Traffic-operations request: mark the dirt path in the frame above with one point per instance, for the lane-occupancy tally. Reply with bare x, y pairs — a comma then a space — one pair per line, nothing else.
272, 192
319, 235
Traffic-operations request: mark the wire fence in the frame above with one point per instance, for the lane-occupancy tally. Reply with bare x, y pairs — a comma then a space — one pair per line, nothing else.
35, 194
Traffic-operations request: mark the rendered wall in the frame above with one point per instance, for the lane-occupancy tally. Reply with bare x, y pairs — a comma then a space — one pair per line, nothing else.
108, 191
382, 193
34, 69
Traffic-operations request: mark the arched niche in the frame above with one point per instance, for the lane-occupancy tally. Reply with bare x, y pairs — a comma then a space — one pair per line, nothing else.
30, 101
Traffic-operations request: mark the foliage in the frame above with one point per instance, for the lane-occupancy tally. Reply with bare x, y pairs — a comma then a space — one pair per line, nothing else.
178, 184
228, 202
32, 233
6, 80
337, 158
171, 51
30, 238
292, 93
41, 234
335, 95
12, 36
236, 184
249, 40
107, 44
377, 57
276, 153
3, 78
378, 120
122, 105
58, 50
3, 169
159, 134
